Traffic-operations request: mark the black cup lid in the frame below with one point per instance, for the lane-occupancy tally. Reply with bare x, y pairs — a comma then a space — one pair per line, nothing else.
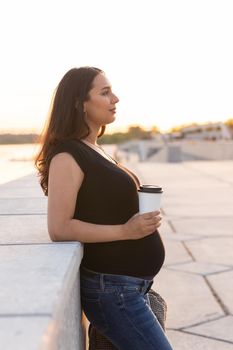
150, 189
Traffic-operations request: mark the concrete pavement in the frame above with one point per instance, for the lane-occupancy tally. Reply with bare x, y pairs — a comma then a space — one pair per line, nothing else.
197, 277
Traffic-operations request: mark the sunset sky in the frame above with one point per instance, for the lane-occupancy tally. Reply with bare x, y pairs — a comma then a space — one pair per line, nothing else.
169, 61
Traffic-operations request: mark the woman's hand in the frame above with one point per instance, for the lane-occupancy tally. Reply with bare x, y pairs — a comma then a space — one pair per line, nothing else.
141, 225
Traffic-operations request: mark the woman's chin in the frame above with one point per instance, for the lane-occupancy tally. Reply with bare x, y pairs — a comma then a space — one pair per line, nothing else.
109, 121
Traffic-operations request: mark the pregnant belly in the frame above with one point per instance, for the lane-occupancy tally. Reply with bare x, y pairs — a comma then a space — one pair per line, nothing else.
143, 257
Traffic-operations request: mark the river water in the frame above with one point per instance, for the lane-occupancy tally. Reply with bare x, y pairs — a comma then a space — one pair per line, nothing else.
17, 160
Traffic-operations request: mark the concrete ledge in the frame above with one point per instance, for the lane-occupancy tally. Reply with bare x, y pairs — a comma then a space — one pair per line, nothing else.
39, 295
212, 150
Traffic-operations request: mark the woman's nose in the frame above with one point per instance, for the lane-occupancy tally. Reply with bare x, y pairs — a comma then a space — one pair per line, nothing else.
115, 99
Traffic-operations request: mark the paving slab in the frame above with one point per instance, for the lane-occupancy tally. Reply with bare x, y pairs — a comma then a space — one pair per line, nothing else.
199, 268
222, 170
188, 208
165, 227
32, 275
24, 229
16, 206
215, 250
177, 176
182, 191
220, 329
191, 184
197, 202
222, 284
189, 298
210, 189
208, 197
162, 171
166, 175
204, 226
20, 192
181, 237
175, 253
21, 333
184, 341
14, 169
29, 180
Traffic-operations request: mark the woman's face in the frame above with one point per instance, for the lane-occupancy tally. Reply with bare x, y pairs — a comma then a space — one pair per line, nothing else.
101, 107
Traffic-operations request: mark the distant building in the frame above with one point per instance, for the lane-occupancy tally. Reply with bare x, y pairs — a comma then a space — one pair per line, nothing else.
210, 131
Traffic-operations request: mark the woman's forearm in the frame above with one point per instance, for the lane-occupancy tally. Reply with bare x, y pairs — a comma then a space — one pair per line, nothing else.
137, 227
77, 230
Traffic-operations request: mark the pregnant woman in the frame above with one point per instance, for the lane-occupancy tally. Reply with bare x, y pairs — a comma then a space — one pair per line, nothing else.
94, 200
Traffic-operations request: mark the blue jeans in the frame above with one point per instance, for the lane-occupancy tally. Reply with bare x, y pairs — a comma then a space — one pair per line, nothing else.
118, 306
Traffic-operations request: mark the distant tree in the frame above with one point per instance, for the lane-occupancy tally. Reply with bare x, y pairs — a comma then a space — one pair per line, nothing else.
18, 138
175, 129
179, 128
155, 130
134, 132
114, 138
229, 123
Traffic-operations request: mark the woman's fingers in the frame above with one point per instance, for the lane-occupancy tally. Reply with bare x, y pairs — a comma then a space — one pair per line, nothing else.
141, 225
150, 215
153, 220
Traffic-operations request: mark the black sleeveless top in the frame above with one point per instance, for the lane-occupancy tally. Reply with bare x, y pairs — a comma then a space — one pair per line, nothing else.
108, 196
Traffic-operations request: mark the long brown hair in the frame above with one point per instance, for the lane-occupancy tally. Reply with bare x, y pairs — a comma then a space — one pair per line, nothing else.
66, 118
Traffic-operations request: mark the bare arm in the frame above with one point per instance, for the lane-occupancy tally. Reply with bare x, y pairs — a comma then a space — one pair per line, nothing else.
65, 180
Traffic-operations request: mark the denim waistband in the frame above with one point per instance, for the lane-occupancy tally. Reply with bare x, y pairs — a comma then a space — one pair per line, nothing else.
105, 278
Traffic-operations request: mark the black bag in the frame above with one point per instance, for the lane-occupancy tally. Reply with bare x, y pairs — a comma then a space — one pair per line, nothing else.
159, 307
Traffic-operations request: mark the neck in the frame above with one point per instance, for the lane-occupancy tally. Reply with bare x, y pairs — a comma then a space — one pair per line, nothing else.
92, 137
93, 141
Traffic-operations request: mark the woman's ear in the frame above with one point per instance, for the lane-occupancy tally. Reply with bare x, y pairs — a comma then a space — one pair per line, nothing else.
84, 107
77, 104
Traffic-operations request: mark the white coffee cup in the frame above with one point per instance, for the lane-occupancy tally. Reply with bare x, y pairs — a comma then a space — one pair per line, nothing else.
149, 198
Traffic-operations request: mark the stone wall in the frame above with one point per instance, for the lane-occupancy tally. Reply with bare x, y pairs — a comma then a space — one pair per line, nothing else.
39, 295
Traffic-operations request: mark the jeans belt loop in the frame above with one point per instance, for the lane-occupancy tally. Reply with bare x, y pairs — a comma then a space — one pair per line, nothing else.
148, 287
143, 287
101, 282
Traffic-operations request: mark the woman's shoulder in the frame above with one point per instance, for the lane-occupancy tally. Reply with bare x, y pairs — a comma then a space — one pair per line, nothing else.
75, 148
69, 145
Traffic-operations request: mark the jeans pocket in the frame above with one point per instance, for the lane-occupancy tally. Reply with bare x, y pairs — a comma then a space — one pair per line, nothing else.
93, 310
89, 294
131, 298
130, 289
129, 292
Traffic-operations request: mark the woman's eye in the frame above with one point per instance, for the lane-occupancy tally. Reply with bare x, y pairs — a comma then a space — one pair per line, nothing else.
105, 93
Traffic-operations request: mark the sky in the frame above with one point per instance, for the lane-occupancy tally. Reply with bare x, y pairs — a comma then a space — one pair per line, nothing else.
170, 62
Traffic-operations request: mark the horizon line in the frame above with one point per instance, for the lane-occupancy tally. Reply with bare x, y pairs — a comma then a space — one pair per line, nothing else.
38, 131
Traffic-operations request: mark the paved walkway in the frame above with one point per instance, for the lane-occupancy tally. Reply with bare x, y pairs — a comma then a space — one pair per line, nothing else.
197, 277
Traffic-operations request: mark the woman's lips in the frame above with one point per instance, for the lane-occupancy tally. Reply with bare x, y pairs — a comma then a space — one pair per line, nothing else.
113, 110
